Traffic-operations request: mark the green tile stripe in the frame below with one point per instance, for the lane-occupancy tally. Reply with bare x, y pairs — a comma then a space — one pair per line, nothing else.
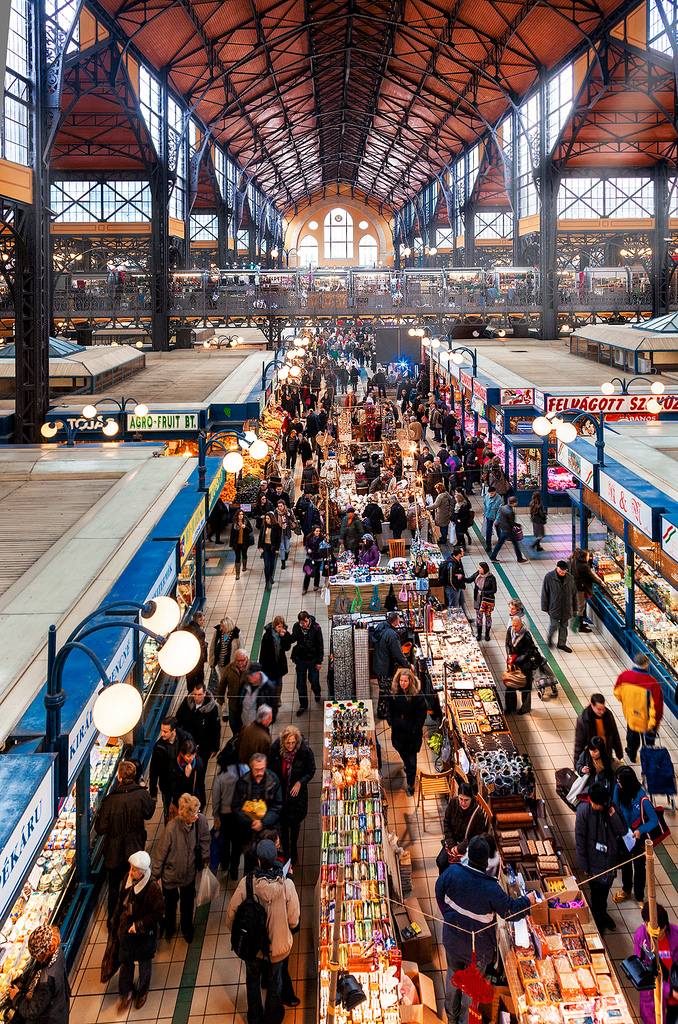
662, 855
182, 1007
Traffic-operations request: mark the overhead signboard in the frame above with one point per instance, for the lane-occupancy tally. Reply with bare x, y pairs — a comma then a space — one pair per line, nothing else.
516, 396
466, 380
670, 538
626, 502
575, 463
610, 403
163, 422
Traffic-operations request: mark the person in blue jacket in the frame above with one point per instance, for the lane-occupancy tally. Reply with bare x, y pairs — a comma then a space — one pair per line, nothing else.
470, 900
640, 816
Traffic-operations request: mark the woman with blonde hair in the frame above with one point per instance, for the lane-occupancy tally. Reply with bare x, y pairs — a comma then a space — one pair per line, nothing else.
225, 642
183, 850
292, 760
406, 714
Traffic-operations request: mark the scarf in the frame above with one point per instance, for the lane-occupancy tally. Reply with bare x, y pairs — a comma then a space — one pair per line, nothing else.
276, 642
288, 761
516, 637
481, 580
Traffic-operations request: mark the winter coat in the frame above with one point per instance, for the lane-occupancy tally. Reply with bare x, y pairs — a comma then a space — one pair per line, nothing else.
261, 506
310, 478
279, 898
224, 646
397, 519
606, 777
462, 517
497, 478
375, 516
174, 857
388, 651
121, 820
451, 573
265, 693
287, 522
307, 514
525, 651
640, 939
267, 790
254, 738
640, 815
459, 825
585, 730
352, 532
164, 753
305, 450
223, 790
275, 535
558, 595
641, 699
230, 681
291, 445
582, 574
294, 808
406, 716
143, 909
247, 537
506, 519
443, 508
309, 645
202, 723
274, 666
415, 431
469, 900
492, 506
596, 836
369, 555
194, 784
488, 592
51, 999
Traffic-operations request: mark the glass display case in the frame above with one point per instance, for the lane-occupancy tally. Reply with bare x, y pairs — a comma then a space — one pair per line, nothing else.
151, 665
558, 479
187, 583
527, 471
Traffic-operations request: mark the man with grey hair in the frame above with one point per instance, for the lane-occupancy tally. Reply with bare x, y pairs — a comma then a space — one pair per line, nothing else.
259, 783
642, 703
255, 738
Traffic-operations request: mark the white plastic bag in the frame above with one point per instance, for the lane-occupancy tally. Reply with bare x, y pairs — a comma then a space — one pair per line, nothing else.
209, 887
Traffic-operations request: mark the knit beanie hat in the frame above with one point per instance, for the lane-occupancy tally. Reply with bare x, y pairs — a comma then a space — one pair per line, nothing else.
478, 853
267, 853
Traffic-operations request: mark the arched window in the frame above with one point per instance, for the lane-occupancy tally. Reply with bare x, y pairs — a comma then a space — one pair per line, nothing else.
368, 251
338, 235
308, 252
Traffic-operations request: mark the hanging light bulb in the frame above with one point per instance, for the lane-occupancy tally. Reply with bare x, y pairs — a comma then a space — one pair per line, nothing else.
457, 357
259, 450
163, 616
444, 355
608, 388
283, 373
118, 707
49, 429
654, 406
250, 436
566, 433
111, 428
295, 371
542, 426
411, 332
435, 343
89, 412
180, 653
141, 409
657, 388
233, 462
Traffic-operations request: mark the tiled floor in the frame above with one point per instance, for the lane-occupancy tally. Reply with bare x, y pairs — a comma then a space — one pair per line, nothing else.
205, 984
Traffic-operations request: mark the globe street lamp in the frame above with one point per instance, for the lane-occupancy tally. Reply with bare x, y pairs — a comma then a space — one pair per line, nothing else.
567, 431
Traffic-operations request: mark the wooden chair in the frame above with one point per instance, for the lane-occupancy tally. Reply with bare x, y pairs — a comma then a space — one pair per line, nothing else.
433, 786
396, 549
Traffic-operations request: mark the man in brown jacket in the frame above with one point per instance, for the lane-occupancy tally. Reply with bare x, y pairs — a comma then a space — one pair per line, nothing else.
255, 738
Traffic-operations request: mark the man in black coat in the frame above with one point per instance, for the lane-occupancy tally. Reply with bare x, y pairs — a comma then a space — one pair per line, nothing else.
198, 715
307, 655
256, 689
388, 653
121, 820
597, 720
197, 628
165, 753
397, 519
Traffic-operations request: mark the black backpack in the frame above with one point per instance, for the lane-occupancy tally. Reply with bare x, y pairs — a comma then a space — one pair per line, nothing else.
249, 934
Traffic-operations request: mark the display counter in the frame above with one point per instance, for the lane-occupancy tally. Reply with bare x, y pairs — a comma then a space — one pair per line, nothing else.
354, 846
532, 465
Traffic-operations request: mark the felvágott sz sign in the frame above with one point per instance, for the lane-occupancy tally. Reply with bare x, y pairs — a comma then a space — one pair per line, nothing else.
610, 403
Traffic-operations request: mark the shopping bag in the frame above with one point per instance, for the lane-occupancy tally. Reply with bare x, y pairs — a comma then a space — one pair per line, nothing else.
357, 602
576, 789
514, 679
375, 603
518, 532
342, 605
209, 887
110, 963
391, 601
216, 846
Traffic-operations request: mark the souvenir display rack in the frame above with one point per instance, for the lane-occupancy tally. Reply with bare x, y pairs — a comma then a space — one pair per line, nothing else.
355, 848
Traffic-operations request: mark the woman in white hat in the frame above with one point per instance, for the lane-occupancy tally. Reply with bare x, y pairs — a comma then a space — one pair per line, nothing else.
140, 908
